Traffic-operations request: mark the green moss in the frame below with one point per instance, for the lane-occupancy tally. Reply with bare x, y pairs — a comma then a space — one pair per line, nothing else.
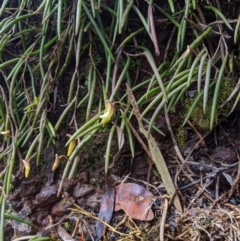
225, 90
201, 120
198, 118
135, 64
180, 136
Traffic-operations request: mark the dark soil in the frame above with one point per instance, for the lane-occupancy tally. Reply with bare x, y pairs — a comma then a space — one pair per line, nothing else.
207, 181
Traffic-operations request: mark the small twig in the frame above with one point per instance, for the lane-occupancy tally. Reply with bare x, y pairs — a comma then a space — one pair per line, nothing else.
203, 21
217, 187
164, 215
225, 194
149, 172
76, 228
197, 132
199, 193
200, 14
139, 139
179, 154
170, 41
195, 25
78, 209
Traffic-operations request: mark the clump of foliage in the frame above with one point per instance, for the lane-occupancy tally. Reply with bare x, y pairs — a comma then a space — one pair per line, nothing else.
60, 58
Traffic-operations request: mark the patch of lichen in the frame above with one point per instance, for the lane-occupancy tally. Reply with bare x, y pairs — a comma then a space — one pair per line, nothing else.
180, 136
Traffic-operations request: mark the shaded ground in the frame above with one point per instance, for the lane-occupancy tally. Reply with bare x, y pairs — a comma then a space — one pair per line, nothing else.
207, 183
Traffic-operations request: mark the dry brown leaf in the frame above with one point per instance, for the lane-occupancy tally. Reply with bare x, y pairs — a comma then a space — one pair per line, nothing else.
135, 200
63, 234
106, 211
